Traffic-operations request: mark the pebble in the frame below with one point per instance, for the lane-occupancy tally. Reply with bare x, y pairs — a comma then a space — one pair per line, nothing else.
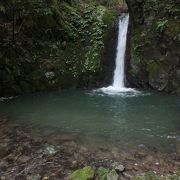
24, 159
3, 149
118, 167
50, 150
128, 175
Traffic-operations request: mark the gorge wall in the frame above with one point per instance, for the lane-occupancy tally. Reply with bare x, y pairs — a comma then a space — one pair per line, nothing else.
154, 45
46, 45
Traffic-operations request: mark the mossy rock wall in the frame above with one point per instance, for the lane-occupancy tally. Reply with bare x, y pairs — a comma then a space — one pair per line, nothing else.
58, 45
154, 48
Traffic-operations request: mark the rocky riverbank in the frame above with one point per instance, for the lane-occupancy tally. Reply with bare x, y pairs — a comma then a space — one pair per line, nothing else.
26, 154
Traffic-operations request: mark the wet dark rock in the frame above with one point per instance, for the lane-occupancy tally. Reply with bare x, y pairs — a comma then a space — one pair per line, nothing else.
34, 177
70, 144
129, 166
10, 158
115, 152
20, 177
3, 165
50, 150
103, 155
127, 176
37, 140
128, 157
74, 164
153, 54
178, 146
64, 137
4, 150
2, 178
83, 150
82, 174
148, 159
23, 159
140, 154
3, 120
112, 175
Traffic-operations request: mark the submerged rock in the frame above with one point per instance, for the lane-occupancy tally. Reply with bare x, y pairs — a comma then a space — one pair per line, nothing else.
3, 165
50, 75
149, 175
24, 159
178, 146
3, 149
112, 175
34, 177
118, 167
102, 173
50, 150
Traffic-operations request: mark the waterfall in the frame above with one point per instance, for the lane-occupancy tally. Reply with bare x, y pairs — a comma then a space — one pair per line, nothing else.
118, 80
118, 85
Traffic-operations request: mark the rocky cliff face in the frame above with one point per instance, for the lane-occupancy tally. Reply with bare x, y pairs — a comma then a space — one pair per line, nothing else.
56, 46
154, 59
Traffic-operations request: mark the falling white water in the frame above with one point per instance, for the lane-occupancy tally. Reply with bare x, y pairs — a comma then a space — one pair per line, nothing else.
118, 85
118, 80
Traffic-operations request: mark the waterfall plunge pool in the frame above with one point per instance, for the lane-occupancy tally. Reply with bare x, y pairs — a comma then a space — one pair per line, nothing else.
126, 119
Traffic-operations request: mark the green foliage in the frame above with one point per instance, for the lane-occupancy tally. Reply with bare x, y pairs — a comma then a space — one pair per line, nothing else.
161, 25
110, 3
102, 173
155, 35
63, 37
2, 8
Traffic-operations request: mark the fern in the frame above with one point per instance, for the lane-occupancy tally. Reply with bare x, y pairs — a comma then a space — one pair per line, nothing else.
2, 8
161, 25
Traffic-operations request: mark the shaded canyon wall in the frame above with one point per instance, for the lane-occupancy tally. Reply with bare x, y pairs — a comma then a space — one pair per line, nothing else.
154, 45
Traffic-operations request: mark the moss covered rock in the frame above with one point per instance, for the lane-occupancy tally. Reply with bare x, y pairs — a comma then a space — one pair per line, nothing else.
102, 173
154, 45
65, 38
86, 173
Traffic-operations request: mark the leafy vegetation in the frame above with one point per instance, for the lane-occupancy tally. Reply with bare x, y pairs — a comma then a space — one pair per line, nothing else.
154, 52
63, 37
161, 25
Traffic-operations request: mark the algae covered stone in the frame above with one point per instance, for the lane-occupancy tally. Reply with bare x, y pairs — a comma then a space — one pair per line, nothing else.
148, 176
82, 174
112, 175
102, 173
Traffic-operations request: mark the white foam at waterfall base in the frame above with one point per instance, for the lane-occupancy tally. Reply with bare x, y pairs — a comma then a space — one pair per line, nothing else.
118, 86
112, 89
123, 92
